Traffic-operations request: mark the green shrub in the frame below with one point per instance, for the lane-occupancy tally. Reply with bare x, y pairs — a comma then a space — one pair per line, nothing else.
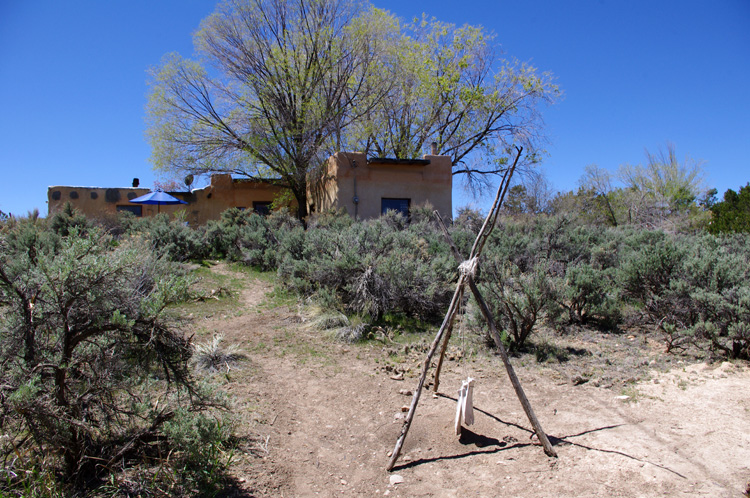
373, 267
173, 239
244, 236
653, 259
709, 302
91, 371
517, 299
589, 293
67, 219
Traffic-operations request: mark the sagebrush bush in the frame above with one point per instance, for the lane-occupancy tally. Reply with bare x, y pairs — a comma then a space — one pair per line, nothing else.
708, 300
373, 267
91, 370
67, 219
587, 293
516, 299
171, 238
536, 269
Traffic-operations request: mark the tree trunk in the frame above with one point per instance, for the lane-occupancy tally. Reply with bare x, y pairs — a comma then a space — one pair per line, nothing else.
300, 195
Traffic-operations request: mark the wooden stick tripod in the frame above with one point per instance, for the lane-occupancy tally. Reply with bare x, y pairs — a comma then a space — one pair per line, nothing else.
466, 277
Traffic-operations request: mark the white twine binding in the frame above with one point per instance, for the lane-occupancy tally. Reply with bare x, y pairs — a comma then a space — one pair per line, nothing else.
468, 267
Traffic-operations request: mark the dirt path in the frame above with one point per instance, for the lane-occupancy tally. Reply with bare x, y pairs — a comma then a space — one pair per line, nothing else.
330, 414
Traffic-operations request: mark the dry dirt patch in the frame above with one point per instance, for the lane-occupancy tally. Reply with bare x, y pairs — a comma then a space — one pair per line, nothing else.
325, 416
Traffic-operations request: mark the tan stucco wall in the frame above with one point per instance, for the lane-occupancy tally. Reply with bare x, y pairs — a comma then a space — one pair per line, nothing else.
421, 183
202, 204
348, 174
94, 202
225, 192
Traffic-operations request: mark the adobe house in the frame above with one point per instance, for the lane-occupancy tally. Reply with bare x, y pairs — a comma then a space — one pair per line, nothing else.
203, 204
367, 188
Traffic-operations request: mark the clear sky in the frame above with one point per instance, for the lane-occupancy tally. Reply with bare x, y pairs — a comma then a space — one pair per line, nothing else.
635, 74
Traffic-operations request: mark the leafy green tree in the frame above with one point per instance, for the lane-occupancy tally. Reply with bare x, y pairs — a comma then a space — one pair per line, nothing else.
516, 201
532, 196
665, 185
449, 86
733, 213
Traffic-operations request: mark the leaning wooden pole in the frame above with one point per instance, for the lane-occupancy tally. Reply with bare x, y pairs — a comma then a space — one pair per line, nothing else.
540, 434
441, 356
465, 275
457, 296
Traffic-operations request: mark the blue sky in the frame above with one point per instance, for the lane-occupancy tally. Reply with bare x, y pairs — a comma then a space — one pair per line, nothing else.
635, 74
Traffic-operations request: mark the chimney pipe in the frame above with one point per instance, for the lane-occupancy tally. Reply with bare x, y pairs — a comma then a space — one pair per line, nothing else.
136, 182
433, 149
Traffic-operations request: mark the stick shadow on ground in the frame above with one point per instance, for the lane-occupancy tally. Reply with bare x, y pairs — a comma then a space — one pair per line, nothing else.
488, 414
472, 438
480, 441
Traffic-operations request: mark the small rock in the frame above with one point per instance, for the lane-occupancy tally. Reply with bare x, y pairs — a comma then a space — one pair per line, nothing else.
578, 380
622, 397
398, 376
343, 482
404, 408
406, 392
396, 479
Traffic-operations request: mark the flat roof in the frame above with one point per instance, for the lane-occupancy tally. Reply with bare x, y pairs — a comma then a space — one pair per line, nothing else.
390, 160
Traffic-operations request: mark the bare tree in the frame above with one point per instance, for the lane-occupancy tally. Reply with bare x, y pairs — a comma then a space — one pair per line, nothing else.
276, 80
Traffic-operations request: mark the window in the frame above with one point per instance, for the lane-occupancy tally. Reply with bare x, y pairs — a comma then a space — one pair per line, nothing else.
136, 210
263, 208
391, 204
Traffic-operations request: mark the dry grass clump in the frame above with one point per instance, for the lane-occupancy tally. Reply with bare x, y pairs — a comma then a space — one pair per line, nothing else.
213, 356
328, 321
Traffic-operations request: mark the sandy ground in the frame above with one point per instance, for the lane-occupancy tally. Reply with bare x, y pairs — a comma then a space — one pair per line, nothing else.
324, 417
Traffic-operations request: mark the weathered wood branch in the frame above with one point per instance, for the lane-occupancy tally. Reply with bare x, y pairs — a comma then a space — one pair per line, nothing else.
425, 367
540, 434
465, 277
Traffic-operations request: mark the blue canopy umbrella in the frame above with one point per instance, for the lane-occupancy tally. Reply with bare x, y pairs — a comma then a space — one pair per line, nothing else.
157, 197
